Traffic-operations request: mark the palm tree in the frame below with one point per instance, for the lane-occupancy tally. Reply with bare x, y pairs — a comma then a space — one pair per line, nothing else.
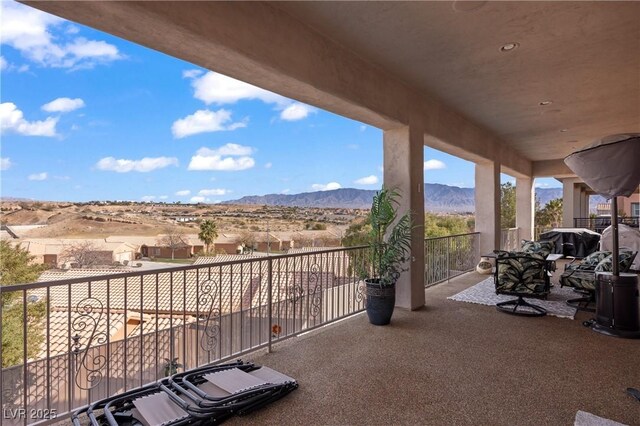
208, 233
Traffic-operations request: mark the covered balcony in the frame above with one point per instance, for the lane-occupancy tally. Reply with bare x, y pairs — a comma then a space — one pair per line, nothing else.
513, 87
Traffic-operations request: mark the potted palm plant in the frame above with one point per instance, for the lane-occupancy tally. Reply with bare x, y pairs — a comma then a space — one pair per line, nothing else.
389, 248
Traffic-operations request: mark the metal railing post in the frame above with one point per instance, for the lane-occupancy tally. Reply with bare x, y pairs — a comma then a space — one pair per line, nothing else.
270, 301
448, 240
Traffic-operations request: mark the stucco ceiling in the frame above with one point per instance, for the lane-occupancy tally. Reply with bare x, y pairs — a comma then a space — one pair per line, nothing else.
584, 57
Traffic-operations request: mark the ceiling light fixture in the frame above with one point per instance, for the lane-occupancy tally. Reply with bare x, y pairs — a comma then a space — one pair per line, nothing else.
509, 47
545, 103
564, 130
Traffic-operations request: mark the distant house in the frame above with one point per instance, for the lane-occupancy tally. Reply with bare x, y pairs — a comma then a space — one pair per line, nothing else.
183, 219
627, 206
51, 251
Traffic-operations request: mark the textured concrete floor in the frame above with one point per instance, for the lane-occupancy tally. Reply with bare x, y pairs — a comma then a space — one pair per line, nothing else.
454, 363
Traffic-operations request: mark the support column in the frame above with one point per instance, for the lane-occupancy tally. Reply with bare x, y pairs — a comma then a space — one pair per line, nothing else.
488, 205
525, 207
404, 170
570, 202
584, 203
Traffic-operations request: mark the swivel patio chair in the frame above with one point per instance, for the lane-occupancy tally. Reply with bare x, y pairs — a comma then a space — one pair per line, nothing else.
523, 275
543, 248
207, 395
582, 276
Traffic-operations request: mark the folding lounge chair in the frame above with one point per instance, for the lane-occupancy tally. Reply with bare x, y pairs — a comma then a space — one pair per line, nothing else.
241, 388
221, 392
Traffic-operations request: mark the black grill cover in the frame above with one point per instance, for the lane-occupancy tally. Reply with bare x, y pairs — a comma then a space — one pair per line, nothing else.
578, 242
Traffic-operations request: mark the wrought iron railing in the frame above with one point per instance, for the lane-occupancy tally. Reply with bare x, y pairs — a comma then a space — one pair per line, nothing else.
105, 334
510, 239
450, 256
599, 224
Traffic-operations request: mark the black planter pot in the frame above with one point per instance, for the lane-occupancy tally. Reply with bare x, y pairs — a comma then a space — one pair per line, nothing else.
380, 302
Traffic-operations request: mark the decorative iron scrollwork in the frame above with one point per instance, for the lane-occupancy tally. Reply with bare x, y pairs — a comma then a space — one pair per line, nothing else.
295, 293
360, 289
315, 295
207, 300
90, 313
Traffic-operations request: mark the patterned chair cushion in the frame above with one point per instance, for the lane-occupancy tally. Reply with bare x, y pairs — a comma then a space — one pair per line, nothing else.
521, 274
581, 280
585, 279
625, 259
590, 262
543, 248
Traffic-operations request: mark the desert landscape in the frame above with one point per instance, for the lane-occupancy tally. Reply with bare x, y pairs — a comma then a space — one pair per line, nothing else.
102, 219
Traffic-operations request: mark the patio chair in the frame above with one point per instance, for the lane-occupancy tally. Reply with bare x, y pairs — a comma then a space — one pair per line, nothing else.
582, 276
523, 275
221, 392
543, 248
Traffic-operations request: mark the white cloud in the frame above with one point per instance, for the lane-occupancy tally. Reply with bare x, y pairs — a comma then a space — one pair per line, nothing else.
191, 73
163, 197
12, 120
5, 163
144, 165
367, 180
268, 165
232, 149
183, 193
296, 111
326, 187
205, 120
148, 198
285, 191
434, 165
214, 88
29, 31
38, 176
213, 159
209, 192
198, 199
218, 89
63, 105
363, 127
3, 63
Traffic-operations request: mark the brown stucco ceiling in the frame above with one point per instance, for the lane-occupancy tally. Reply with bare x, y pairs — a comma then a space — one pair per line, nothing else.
583, 56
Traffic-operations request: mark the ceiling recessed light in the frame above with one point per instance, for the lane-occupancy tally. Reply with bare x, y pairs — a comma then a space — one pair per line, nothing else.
545, 103
509, 47
564, 130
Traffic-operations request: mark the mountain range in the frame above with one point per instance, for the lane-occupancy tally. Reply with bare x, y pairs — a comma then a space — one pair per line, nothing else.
438, 198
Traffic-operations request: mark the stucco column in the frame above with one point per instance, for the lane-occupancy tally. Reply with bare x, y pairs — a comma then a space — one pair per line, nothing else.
404, 170
570, 201
488, 205
525, 207
584, 203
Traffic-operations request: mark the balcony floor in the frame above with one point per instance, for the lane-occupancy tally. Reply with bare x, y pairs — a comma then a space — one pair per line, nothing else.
454, 363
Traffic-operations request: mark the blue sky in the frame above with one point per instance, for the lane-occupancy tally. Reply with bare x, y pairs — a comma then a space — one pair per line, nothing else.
88, 116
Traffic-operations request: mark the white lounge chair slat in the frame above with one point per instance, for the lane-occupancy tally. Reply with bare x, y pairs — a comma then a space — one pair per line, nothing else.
234, 380
271, 376
158, 409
